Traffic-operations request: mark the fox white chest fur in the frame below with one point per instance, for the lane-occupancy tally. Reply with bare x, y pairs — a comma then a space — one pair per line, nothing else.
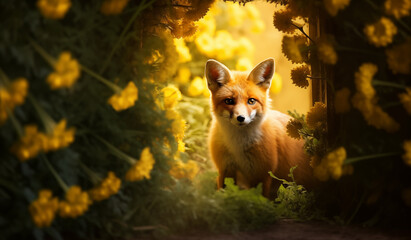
247, 139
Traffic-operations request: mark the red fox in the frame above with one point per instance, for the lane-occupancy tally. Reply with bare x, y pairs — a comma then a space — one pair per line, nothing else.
247, 139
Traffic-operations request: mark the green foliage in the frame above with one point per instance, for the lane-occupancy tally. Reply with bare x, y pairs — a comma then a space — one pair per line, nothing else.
293, 200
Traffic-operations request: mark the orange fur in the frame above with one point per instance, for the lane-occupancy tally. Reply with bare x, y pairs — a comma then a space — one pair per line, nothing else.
247, 150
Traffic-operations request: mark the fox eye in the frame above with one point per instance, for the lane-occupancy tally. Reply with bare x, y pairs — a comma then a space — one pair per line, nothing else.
251, 101
229, 101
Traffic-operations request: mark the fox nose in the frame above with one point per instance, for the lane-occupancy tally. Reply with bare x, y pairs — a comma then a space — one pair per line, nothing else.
240, 118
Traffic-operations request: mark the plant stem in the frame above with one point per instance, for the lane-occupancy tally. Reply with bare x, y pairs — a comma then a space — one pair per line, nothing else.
379, 155
43, 53
387, 84
4, 78
141, 7
15, 123
302, 31
62, 184
113, 86
94, 177
116, 151
48, 122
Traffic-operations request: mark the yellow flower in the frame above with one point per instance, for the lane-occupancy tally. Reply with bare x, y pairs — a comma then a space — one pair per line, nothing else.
244, 64
109, 186
18, 90
365, 100
331, 165
66, 72
407, 152
300, 8
206, 24
125, 99
236, 14
181, 146
30, 144
276, 83
399, 58
333, 6
405, 99
142, 168
258, 26
184, 170
341, 101
113, 7
299, 76
224, 45
75, 204
317, 116
293, 128
283, 21
178, 125
5, 103
53, 9
363, 79
171, 96
182, 49
243, 46
326, 52
197, 87
205, 44
294, 48
43, 209
59, 138
381, 33
397, 8
183, 76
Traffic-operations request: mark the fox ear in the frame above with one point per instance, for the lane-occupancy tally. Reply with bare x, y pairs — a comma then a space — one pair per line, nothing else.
263, 73
217, 74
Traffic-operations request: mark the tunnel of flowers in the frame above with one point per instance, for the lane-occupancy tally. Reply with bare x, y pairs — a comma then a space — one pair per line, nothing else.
105, 113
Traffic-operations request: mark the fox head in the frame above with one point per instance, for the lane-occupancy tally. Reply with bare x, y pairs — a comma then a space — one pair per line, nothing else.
239, 98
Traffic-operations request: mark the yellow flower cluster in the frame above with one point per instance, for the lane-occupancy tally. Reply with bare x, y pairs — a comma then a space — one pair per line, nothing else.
293, 127
113, 7
53, 9
183, 76
59, 138
317, 116
109, 186
43, 209
295, 48
125, 99
12, 96
184, 170
34, 141
75, 204
405, 99
331, 165
283, 21
197, 87
171, 96
276, 83
334, 6
179, 124
222, 46
366, 101
66, 72
182, 50
341, 101
407, 152
381, 33
299, 76
244, 64
399, 58
398, 8
326, 52
30, 144
142, 168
